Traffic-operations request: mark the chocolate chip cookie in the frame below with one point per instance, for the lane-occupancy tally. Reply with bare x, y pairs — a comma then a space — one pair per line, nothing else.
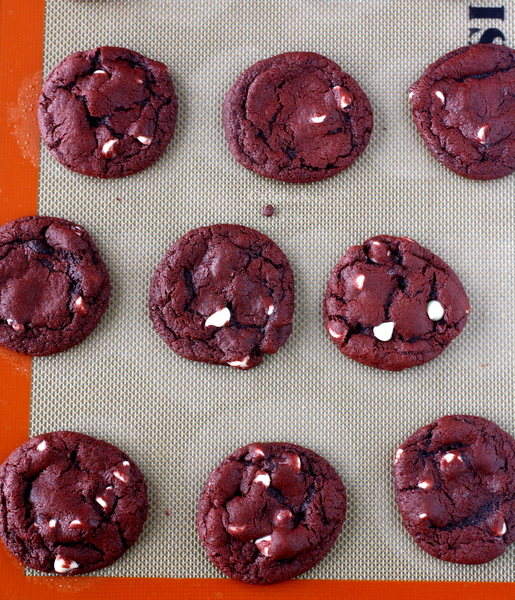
270, 512
464, 108
224, 295
393, 304
54, 286
70, 503
296, 117
455, 488
107, 112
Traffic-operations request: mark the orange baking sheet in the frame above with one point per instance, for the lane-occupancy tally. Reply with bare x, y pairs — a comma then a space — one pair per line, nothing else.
21, 55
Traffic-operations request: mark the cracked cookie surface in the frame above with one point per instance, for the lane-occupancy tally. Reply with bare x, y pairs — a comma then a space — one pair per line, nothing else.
455, 488
223, 294
70, 503
107, 112
393, 304
270, 512
54, 286
296, 117
464, 108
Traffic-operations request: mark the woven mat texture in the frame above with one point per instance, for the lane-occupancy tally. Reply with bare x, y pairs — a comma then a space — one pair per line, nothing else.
178, 419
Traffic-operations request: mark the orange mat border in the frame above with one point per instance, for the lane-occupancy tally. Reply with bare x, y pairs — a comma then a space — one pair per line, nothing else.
21, 55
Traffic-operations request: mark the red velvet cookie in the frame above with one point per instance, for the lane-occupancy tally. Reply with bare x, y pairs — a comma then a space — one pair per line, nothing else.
70, 503
224, 295
107, 112
270, 512
455, 487
393, 304
464, 108
54, 286
296, 117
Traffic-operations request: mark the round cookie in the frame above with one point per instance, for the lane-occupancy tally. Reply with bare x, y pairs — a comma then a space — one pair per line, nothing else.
107, 112
224, 295
296, 117
393, 304
464, 109
54, 286
455, 488
70, 503
270, 512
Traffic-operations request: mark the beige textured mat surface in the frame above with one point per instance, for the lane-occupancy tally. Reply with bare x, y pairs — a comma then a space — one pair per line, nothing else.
179, 419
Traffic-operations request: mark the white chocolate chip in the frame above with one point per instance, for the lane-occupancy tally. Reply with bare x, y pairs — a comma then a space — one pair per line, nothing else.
120, 476
101, 501
410, 95
218, 319
450, 456
63, 565
398, 454
440, 97
498, 525
360, 279
283, 516
79, 306
333, 334
107, 149
384, 331
263, 478
109, 487
78, 230
138, 80
76, 523
126, 463
234, 529
52, 523
345, 98
240, 363
263, 544
424, 485
319, 119
146, 141
481, 134
422, 516
270, 310
257, 450
376, 243
99, 72
41, 446
435, 310
503, 530
15, 325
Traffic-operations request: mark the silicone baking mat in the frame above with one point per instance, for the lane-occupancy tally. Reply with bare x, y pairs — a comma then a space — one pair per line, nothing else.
179, 419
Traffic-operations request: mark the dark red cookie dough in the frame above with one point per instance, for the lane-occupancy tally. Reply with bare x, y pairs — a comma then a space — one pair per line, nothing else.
107, 112
223, 294
54, 286
270, 512
393, 304
296, 117
70, 503
455, 488
464, 108
268, 210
